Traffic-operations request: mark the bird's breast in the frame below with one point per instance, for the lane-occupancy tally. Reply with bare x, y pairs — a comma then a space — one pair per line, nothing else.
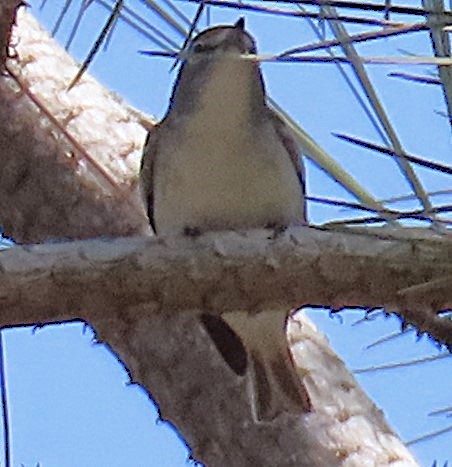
210, 179
226, 94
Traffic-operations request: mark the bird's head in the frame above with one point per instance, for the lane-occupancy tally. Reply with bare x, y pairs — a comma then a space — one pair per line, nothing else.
214, 76
219, 41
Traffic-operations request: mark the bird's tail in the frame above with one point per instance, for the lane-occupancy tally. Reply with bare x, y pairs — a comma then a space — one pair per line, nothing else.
276, 387
255, 345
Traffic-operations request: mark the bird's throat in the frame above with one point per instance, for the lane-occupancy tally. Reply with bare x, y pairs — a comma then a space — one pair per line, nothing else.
227, 98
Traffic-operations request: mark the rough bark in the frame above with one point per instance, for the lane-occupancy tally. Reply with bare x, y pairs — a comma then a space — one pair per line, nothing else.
69, 163
303, 266
69, 159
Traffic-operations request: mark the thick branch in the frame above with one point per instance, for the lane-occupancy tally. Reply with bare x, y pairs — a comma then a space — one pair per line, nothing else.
211, 408
143, 296
303, 266
69, 158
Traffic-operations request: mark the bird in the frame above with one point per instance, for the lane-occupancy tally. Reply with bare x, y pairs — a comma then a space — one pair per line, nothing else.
222, 159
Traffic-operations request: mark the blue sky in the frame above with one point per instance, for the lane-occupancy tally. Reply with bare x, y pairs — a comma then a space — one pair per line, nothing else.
70, 401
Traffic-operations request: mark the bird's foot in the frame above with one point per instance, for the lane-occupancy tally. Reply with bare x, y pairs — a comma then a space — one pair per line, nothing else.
278, 229
190, 231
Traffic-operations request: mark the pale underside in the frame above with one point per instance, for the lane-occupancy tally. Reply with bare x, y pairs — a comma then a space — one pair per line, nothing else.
225, 179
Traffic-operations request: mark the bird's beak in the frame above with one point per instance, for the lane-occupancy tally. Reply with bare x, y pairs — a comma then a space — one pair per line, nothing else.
180, 57
182, 54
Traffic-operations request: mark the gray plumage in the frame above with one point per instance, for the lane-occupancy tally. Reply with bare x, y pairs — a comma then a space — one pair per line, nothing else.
221, 159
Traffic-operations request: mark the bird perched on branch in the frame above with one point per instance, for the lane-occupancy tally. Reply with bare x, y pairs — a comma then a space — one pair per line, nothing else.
221, 159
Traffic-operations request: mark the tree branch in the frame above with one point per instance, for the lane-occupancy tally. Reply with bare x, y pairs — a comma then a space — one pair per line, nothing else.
303, 266
144, 296
69, 158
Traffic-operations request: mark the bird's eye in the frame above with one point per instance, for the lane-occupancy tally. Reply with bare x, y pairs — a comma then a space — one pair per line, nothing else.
198, 48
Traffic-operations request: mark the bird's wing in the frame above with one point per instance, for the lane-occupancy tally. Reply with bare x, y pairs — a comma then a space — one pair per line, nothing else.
147, 172
291, 146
